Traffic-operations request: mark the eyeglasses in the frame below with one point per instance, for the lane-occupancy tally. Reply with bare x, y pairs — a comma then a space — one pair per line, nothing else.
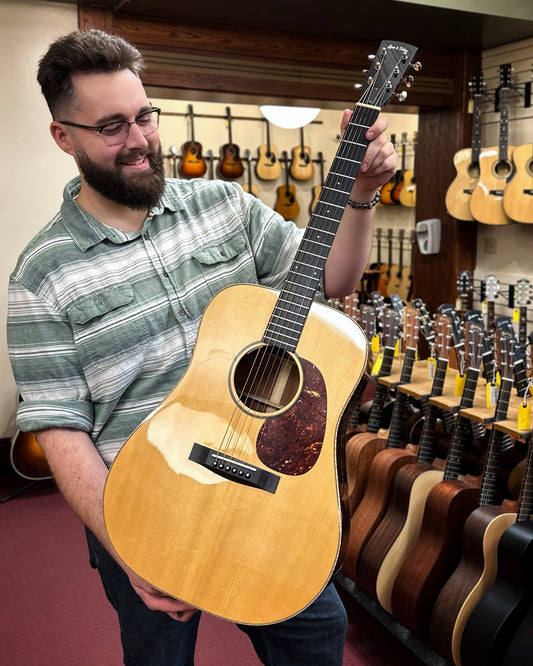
117, 132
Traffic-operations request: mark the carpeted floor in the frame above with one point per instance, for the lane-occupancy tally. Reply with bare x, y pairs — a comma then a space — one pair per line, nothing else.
53, 611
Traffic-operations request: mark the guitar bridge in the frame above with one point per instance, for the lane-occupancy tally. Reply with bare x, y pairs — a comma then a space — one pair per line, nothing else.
233, 469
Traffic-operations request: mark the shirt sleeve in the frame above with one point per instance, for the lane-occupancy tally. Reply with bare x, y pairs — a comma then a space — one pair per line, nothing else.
45, 365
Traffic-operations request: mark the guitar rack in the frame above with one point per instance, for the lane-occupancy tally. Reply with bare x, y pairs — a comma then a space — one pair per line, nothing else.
418, 647
223, 117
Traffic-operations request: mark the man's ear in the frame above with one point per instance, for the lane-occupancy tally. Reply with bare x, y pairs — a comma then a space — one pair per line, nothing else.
62, 137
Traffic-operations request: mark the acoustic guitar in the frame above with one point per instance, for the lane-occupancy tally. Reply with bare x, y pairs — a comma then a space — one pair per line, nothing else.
493, 628
386, 190
495, 166
399, 184
436, 552
317, 188
518, 195
249, 185
192, 164
483, 528
27, 457
465, 289
302, 167
230, 164
231, 495
400, 273
286, 202
389, 545
267, 166
408, 191
466, 160
522, 298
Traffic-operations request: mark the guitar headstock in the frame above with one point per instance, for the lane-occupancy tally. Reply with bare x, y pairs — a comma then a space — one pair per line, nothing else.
522, 293
443, 336
397, 304
378, 302
504, 324
387, 71
464, 284
474, 337
448, 310
350, 305
368, 320
505, 75
492, 286
477, 84
505, 352
391, 330
426, 323
411, 327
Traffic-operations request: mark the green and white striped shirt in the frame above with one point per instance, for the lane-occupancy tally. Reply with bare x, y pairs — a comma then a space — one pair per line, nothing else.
102, 323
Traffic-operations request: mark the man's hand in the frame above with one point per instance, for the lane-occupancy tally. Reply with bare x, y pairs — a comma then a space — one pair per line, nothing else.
157, 600
379, 163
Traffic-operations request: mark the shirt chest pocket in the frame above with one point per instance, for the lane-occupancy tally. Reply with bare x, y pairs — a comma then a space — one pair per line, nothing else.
108, 325
230, 262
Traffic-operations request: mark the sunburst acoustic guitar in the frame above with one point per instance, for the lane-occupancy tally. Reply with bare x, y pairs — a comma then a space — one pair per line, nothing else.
495, 166
231, 495
230, 164
192, 163
286, 201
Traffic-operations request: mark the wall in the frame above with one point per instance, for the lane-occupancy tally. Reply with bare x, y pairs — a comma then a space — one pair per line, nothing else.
33, 170
506, 251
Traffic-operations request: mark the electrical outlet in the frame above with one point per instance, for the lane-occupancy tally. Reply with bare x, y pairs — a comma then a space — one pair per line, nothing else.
490, 245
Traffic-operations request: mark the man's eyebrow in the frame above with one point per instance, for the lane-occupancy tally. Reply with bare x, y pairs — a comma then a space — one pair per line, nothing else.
114, 117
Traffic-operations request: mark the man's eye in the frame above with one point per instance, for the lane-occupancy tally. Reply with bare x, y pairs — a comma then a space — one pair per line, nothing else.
111, 129
145, 119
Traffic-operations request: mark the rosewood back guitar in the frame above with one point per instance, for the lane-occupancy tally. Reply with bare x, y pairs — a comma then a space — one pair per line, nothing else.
231, 495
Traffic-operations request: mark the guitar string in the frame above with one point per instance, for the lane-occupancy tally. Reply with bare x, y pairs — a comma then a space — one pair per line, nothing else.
347, 168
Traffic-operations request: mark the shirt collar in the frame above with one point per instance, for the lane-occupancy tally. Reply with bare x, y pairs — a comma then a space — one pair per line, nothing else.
87, 231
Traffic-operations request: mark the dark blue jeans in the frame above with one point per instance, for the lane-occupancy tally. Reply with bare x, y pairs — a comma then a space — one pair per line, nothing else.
315, 637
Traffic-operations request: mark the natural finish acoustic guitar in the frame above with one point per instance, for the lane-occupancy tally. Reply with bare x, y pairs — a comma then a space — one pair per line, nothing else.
231, 495
267, 166
495, 166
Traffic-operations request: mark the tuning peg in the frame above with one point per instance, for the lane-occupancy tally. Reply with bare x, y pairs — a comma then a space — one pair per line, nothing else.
401, 96
417, 66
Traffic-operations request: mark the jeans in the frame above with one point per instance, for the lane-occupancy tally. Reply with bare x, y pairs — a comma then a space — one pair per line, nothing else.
314, 637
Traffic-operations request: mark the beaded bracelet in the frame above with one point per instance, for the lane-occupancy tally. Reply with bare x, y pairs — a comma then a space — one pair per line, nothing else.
366, 204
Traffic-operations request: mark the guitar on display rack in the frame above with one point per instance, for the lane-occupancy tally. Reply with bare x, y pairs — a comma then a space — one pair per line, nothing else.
192, 164
386, 190
286, 202
219, 481
230, 164
518, 195
466, 160
465, 288
302, 167
491, 287
267, 166
495, 166
522, 298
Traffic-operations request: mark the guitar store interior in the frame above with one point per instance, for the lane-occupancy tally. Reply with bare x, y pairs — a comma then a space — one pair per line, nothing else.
467, 511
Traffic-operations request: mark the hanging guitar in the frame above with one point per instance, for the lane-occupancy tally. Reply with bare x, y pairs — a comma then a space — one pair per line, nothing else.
495, 166
386, 190
267, 166
233, 499
398, 186
192, 164
249, 185
408, 191
286, 202
466, 160
518, 195
465, 288
230, 164
317, 188
301, 164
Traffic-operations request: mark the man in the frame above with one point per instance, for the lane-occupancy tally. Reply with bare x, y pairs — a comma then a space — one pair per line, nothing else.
106, 300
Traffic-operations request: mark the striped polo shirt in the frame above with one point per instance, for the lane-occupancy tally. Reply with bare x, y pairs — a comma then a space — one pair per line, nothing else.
102, 323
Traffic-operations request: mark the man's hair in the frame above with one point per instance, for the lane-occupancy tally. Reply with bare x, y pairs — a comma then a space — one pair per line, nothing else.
87, 52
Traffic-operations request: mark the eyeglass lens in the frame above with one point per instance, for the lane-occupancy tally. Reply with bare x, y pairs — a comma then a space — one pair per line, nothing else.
116, 133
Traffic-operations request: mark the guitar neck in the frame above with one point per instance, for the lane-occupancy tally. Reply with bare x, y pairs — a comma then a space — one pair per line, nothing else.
397, 418
476, 130
494, 448
374, 418
503, 135
525, 501
425, 447
307, 269
462, 427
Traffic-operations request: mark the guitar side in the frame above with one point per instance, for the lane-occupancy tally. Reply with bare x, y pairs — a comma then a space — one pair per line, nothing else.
460, 191
282, 547
518, 196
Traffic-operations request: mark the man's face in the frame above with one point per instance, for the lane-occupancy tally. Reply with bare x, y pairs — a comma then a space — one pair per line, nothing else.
130, 174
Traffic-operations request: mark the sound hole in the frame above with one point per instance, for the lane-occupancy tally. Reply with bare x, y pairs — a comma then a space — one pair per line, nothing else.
266, 379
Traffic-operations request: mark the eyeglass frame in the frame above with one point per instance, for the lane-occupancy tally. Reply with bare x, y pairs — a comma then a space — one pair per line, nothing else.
100, 128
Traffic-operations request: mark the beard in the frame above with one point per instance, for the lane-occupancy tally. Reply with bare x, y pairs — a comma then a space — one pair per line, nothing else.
139, 191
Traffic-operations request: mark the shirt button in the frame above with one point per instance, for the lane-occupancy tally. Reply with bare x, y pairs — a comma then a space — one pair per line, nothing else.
182, 312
